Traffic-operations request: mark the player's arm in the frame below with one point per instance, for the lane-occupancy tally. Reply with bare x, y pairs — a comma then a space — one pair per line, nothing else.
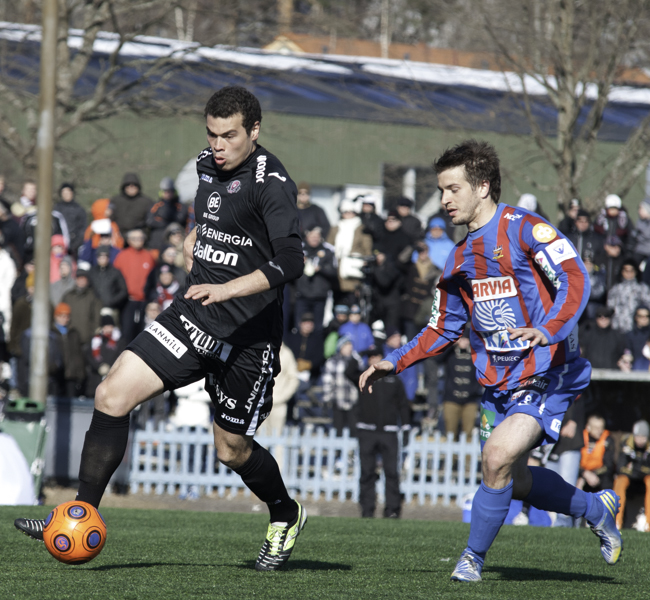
448, 317
284, 267
565, 270
188, 249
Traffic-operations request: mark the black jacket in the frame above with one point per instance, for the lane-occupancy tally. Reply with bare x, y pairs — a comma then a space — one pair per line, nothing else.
320, 283
386, 409
77, 219
313, 216
602, 347
109, 286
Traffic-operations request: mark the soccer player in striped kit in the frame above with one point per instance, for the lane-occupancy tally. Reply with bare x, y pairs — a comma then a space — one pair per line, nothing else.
522, 286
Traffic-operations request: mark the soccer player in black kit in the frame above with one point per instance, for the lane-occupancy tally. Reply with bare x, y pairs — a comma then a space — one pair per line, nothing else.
226, 326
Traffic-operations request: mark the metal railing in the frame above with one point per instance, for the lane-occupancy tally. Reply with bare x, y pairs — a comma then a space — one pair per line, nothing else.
313, 462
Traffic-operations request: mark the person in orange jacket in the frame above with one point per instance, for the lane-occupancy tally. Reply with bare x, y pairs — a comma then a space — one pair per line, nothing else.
597, 456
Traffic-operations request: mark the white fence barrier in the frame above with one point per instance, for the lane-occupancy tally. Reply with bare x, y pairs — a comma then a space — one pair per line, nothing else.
312, 462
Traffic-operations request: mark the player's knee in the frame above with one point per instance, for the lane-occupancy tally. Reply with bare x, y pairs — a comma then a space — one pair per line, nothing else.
108, 400
232, 455
496, 461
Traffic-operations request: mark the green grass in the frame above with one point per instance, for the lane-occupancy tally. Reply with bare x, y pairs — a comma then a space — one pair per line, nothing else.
176, 554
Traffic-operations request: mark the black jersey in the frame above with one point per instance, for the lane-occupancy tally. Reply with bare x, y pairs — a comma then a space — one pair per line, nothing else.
238, 214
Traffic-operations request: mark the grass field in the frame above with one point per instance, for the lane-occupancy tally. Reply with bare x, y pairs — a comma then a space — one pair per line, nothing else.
172, 554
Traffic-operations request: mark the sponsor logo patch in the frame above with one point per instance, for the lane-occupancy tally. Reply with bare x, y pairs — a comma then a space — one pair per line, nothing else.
226, 238
547, 269
537, 383
486, 423
505, 359
493, 288
205, 343
234, 420
218, 257
544, 233
435, 309
261, 168
234, 186
560, 250
173, 344
214, 202
494, 314
205, 177
555, 425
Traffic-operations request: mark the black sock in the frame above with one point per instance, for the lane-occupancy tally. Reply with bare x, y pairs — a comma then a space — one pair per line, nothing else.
261, 475
102, 453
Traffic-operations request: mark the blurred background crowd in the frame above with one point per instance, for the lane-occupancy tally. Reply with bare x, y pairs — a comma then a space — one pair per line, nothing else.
367, 288
368, 283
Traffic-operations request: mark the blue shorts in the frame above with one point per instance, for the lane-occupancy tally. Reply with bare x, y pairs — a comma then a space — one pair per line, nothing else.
544, 397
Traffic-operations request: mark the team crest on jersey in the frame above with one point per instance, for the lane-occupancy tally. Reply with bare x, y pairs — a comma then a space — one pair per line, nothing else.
214, 202
493, 288
497, 253
234, 186
544, 233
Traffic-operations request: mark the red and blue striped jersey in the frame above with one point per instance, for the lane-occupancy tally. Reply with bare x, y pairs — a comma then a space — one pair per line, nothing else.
515, 271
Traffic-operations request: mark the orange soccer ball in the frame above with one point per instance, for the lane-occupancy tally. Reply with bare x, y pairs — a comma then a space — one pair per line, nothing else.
74, 532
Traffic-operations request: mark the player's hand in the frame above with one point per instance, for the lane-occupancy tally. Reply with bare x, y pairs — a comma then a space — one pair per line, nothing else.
207, 292
534, 336
373, 373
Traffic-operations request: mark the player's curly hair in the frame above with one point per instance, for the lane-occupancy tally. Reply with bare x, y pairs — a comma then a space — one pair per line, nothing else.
233, 99
481, 164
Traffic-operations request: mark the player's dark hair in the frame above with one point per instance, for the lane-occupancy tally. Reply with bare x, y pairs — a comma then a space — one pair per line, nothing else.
481, 164
233, 99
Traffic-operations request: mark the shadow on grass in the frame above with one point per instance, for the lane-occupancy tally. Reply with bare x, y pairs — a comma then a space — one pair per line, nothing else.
296, 565
531, 574
149, 565
303, 565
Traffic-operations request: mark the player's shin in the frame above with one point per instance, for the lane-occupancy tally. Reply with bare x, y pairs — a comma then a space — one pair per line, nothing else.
261, 475
550, 492
103, 450
489, 510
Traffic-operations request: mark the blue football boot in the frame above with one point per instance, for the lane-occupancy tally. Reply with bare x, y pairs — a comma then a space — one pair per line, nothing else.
611, 543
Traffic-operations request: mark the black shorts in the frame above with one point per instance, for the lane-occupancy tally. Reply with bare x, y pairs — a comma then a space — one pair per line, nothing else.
239, 380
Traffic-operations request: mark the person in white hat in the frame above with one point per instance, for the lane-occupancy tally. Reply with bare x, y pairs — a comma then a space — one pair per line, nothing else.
350, 245
613, 219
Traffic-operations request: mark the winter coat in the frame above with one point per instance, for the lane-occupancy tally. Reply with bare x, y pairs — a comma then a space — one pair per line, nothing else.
109, 286
317, 286
85, 311
624, 298
162, 214
63, 285
313, 216
76, 219
131, 212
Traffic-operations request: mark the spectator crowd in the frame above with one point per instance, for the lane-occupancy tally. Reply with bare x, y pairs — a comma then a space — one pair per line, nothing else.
367, 287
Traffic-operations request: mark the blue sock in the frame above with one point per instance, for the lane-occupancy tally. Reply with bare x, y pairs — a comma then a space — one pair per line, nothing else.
550, 492
489, 510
